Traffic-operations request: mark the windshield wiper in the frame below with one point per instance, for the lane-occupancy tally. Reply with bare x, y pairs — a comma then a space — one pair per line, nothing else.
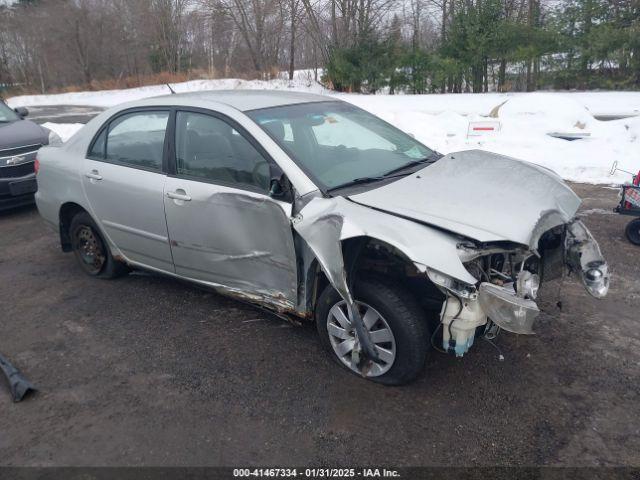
430, 159
396, 172
357, 181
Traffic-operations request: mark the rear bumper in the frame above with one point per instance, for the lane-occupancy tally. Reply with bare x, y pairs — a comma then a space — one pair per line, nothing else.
17, 191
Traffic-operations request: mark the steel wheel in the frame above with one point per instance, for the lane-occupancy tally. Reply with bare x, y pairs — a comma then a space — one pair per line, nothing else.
89, 249
343, 336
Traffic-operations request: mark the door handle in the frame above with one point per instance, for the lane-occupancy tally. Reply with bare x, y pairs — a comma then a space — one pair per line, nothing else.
93, 175
179, 195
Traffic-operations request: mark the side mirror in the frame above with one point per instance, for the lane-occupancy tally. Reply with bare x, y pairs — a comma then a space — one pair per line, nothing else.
280, 187
21, 111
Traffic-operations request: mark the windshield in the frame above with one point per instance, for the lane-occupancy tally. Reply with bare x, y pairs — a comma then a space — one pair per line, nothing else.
6, 114
338, 144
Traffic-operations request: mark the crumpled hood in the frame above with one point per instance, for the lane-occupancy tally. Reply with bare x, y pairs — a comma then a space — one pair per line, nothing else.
480, 195
21, 133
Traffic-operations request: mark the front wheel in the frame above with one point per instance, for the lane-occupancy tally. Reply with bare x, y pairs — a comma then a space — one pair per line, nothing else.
90, 249
396, 323
633, 231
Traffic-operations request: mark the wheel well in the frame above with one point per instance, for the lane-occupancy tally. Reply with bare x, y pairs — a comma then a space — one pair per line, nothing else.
67, 212
369, 256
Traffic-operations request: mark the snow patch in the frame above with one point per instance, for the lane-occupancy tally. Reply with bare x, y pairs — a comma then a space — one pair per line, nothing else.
64, 130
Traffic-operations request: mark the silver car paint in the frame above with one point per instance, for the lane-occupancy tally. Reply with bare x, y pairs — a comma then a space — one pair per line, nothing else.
63, 179
243, 239
423, 245
446, 196
481, 195
141, 232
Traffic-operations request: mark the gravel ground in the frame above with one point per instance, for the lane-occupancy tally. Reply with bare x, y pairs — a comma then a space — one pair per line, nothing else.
146, 370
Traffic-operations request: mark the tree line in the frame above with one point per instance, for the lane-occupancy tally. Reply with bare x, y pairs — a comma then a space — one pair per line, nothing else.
413, 46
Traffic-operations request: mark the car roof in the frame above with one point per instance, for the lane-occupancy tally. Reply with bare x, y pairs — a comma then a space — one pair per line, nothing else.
243, 100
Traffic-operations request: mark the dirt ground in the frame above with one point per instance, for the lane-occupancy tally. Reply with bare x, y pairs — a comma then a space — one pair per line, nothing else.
146, 370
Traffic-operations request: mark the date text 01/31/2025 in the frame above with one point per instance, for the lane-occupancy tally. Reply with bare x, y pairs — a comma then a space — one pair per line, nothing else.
316, 473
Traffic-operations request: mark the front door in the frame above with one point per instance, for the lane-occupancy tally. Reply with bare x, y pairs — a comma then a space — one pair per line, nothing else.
123, 181
224, 228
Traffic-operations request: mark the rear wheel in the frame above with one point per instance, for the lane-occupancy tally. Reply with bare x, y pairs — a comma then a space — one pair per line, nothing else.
91, 250
633, 231
396, 323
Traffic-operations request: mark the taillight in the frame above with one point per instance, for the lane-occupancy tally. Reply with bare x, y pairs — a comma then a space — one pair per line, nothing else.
36, 165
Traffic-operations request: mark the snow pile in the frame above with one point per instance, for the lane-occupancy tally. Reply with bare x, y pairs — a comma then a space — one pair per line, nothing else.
442, 121
526, 121
64, 130
598, 103
109, 98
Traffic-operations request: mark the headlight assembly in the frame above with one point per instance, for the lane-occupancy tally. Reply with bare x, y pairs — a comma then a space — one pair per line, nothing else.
507, 310
457, 287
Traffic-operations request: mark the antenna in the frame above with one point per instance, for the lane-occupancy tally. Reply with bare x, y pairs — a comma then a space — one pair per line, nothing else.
173, 92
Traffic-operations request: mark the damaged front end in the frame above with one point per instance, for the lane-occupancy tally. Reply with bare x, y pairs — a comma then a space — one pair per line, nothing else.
509, 279
502, 279
485, 286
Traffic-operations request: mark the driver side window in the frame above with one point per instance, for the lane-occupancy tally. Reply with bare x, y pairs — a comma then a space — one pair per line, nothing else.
209, 148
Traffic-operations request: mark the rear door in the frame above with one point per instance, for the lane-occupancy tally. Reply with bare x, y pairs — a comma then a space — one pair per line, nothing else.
223, 226
123, 179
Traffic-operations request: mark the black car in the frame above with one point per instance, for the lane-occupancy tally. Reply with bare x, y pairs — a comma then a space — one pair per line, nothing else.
20, 140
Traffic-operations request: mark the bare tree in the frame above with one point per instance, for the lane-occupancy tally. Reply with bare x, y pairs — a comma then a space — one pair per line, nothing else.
259, 23
169, 20
294, 11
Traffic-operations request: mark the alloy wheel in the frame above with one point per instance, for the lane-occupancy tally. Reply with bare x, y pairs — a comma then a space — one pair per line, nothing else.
343, 337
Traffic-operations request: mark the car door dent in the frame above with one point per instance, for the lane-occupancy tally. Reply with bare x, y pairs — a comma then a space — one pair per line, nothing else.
276, 302
265, 275
217, 255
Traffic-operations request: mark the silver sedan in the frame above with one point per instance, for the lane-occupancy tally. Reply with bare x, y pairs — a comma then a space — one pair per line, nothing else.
318, 210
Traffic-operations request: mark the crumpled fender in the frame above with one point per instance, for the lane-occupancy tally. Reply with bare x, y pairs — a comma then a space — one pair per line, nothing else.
324, 222
423, 245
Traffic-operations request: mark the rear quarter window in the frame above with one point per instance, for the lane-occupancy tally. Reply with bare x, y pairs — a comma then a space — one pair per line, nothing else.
98, 147
137, 139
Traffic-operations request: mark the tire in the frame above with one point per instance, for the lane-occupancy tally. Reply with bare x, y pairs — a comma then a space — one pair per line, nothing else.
398, 310
91, 251
633, 231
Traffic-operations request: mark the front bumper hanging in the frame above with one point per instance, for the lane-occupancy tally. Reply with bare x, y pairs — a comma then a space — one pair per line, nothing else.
583, 256
515, 311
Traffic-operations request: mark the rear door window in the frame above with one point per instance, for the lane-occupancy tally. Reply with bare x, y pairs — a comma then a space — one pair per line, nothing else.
137, 140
